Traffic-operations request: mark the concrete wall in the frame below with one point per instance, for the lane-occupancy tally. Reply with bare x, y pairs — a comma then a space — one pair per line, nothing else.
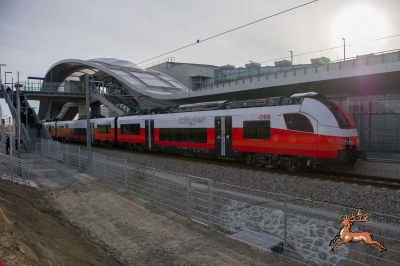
183, 73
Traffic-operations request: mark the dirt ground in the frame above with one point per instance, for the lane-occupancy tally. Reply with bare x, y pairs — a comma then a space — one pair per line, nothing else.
143, 235
32, 234
93, 224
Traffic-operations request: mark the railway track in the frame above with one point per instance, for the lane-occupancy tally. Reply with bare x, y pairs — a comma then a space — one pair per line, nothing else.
389, 183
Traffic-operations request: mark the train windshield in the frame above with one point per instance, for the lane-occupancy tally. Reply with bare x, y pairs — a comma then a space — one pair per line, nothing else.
339, 115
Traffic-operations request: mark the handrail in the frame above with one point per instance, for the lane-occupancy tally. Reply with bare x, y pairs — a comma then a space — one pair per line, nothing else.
44, 129
24, 132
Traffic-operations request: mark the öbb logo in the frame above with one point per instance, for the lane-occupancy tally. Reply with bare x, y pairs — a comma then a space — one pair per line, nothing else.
264, 117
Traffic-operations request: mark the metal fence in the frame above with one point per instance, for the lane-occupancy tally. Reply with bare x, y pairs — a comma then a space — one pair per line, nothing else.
16, 170
299, 229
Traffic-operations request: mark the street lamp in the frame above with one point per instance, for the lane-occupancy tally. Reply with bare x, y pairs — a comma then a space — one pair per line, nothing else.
0, 69
344, 48
291, 57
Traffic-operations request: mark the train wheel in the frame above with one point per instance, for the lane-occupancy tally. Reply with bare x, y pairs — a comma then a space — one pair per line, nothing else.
292, 165
249, 159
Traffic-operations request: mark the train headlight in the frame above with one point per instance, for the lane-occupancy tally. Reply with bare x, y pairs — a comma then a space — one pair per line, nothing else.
347, 142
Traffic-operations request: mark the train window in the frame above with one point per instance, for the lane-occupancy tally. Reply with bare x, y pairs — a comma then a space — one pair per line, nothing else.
337, 113
103, 129
78, 131
298, 122
130, 129
257, 129
60, 129
196, 135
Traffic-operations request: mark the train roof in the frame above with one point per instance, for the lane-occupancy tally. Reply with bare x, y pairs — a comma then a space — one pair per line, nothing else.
218, 105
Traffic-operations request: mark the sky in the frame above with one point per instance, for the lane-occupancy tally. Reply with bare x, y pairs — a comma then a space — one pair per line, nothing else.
36, 34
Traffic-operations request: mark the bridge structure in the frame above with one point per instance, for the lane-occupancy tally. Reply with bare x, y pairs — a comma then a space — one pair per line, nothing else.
368, 86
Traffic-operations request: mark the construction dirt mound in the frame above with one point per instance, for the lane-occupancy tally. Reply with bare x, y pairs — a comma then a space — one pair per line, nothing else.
31, 233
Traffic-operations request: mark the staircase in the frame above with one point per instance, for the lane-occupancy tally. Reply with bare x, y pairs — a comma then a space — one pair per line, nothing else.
44, 134
125, 103
28, 135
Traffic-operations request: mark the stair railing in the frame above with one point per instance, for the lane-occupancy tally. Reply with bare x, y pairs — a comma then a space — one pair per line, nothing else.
44, 132
24, 132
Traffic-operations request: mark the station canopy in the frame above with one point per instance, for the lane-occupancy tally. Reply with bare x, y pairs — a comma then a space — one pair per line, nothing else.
135, 78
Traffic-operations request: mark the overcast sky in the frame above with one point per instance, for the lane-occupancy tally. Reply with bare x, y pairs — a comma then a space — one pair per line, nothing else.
36, 34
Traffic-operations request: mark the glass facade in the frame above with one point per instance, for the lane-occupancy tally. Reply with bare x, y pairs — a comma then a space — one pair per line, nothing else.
377, 118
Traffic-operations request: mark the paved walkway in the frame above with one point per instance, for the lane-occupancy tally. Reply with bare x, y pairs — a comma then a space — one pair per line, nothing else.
50, 173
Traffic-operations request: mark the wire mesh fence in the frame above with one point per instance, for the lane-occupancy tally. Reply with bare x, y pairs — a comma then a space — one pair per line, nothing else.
297, 228
16, 170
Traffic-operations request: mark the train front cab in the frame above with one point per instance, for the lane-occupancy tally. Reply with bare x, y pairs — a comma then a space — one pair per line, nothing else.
338, 140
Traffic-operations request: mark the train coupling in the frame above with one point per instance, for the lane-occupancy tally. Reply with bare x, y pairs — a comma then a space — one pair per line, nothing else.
352, 154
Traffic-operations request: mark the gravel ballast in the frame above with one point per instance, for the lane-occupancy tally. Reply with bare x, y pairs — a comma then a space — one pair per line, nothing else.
377, 200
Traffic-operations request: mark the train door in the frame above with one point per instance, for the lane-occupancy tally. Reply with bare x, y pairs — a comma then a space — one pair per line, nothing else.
149, 129
223, 136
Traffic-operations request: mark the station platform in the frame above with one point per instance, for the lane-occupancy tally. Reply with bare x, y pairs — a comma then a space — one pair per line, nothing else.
385, 165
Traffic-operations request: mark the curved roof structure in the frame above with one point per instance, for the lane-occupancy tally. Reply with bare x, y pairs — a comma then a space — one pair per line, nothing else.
137, 80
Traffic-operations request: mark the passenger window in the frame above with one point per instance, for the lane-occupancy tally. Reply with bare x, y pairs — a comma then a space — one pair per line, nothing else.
257, 129
298, 122
196, 135
130, 129
104, 129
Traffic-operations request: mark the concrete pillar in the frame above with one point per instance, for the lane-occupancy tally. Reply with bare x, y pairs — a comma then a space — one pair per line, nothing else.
95, 109
82, 110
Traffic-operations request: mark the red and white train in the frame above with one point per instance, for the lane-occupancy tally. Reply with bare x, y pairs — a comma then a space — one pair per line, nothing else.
297, 132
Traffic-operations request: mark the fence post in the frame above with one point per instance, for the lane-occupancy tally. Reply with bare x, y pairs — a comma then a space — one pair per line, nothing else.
190, 198
58, 148
94, 164
126, 176
154, 185
67, 155
79, 158
210, 204
285, 225
48, 147
105, 167
29, 179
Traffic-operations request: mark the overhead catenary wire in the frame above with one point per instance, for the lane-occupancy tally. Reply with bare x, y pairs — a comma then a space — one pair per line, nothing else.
228, 31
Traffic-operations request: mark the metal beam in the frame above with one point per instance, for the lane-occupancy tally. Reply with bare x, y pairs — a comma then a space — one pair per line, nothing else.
88, 129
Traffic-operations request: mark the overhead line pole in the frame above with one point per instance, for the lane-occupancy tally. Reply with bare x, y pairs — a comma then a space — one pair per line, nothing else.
88, 129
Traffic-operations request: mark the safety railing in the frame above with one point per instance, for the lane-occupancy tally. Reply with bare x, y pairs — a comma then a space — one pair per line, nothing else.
299, 229
17, 170
44, 131
53, 87
24, 132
